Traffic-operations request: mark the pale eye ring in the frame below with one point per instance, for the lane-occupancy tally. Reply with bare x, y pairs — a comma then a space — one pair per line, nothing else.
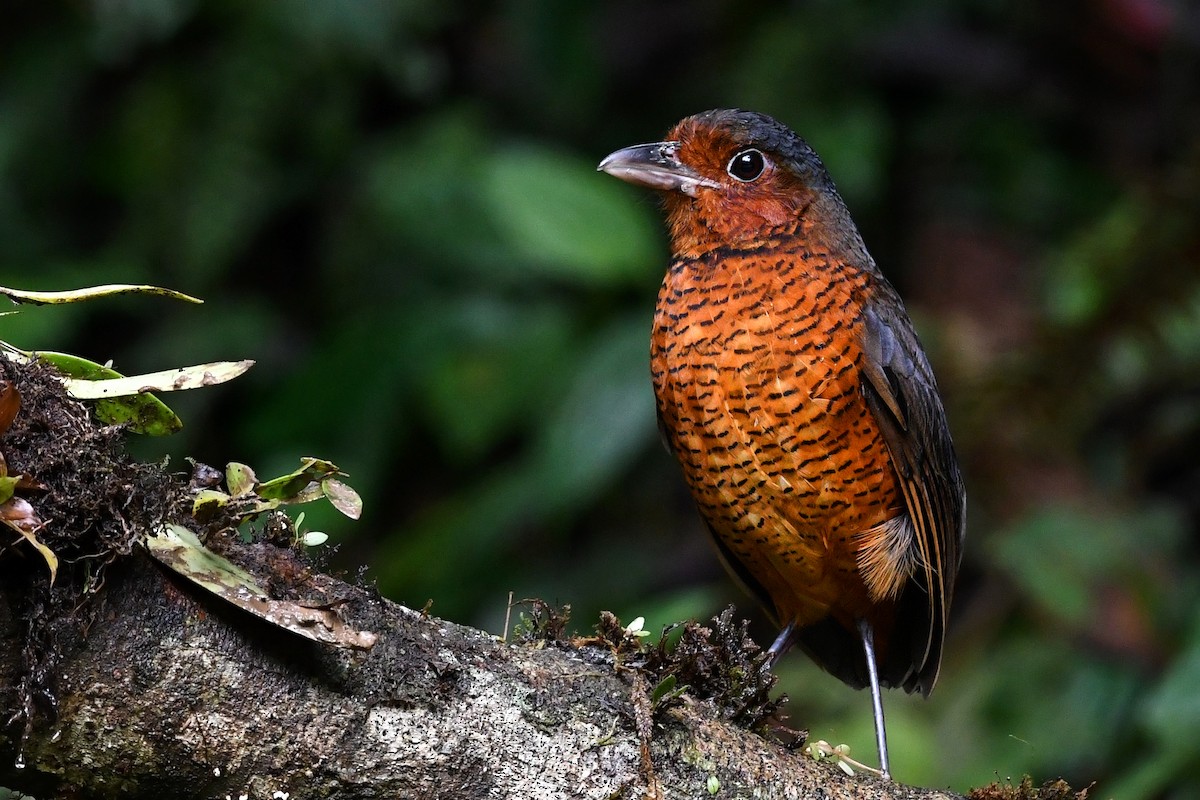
748, 165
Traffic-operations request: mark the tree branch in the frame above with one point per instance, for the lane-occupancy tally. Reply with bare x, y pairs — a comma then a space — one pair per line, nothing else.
123, 679
178, 694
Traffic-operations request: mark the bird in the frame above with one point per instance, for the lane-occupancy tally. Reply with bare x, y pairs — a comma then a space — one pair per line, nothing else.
792, 388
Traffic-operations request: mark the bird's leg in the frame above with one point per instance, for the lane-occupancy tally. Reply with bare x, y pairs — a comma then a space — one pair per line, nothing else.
868, 640
783, 642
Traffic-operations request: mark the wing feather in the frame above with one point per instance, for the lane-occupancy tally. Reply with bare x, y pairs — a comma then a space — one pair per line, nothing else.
901, 392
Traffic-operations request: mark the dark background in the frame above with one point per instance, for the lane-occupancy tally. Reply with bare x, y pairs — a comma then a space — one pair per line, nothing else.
392, 206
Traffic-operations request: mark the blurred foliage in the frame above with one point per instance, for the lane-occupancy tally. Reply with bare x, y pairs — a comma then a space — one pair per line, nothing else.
391, 205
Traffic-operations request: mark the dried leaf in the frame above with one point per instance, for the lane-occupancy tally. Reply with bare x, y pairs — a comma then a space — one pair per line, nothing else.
91, 292
306, 495
204, 476
19, 515
10, 405
28, 484
179, 550
343, 498
170, 380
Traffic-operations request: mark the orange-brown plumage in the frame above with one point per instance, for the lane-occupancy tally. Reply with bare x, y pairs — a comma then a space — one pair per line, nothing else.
793, 391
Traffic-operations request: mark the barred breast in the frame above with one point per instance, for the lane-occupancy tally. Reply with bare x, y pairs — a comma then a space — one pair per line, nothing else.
755, 360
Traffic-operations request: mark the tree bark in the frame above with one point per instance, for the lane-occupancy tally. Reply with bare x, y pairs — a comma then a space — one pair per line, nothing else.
175, 693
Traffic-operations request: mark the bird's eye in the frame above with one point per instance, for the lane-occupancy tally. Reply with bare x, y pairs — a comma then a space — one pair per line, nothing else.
747, 165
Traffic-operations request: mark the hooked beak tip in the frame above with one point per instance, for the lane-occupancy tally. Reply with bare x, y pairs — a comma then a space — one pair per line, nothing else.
655, 166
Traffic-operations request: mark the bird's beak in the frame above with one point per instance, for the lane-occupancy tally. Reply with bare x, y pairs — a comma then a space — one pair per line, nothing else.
656, 166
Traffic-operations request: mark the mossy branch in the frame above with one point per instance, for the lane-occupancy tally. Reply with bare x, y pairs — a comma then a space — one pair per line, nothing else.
123, 679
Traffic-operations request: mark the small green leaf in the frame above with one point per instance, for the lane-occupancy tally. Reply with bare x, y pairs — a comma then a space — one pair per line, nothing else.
713, 784
8, 485
142, 413
664, 686
286, 487
314, 539
665, 692
259, 506
239, 478
208, 501
75, 366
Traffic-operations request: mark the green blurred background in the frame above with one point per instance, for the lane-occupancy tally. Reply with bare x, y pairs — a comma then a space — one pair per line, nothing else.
393, 207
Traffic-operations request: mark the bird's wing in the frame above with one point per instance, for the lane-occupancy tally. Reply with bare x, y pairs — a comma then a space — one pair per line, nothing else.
900, 390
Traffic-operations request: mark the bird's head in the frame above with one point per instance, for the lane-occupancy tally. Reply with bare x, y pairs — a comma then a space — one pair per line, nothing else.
732, 178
